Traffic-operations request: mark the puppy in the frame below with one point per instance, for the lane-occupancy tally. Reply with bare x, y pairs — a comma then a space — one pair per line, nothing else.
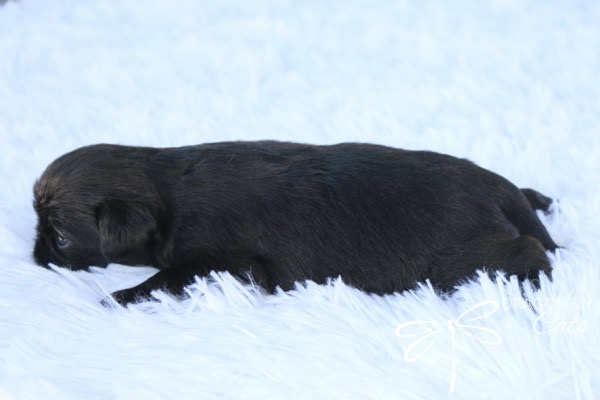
277, 213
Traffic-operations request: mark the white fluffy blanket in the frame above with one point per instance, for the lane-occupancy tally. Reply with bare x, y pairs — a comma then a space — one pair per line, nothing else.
512, 85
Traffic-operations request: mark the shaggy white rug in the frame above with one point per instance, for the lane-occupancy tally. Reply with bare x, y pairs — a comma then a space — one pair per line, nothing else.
512, 85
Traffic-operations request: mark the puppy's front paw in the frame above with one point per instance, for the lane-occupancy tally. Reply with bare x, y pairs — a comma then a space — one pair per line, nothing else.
124, 297
172, 281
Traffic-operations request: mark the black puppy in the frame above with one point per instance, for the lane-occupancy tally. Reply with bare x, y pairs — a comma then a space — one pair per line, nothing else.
277, 213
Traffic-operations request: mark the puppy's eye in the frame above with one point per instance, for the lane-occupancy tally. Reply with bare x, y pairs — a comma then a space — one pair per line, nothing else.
61, 241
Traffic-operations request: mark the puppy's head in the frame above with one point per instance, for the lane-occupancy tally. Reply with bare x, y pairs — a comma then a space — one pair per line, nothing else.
96, 205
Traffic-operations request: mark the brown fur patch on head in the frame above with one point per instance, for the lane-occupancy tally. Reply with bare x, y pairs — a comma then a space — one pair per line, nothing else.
73, 191
43, 190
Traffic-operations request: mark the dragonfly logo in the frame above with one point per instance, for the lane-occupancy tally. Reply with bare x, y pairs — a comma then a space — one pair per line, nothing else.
463, 323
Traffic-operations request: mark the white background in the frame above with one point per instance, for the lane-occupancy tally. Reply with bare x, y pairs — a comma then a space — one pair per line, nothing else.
511, 85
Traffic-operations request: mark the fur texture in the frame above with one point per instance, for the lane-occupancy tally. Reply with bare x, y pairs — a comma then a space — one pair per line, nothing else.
381, 218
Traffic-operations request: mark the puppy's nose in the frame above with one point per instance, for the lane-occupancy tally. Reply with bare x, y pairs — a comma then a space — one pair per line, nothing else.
40, 254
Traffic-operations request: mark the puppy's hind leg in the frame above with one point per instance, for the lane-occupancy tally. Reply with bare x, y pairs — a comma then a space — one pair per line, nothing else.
523, 256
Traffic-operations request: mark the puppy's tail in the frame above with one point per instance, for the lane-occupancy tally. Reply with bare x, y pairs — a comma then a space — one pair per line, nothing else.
520, 211
536, 200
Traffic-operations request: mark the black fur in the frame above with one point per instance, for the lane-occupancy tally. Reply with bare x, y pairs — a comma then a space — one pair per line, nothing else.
381, 218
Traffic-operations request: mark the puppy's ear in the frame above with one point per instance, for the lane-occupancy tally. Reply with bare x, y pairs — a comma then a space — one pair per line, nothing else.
126, 231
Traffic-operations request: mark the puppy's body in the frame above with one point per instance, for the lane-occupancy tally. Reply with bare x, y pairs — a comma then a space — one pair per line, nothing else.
381, 218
